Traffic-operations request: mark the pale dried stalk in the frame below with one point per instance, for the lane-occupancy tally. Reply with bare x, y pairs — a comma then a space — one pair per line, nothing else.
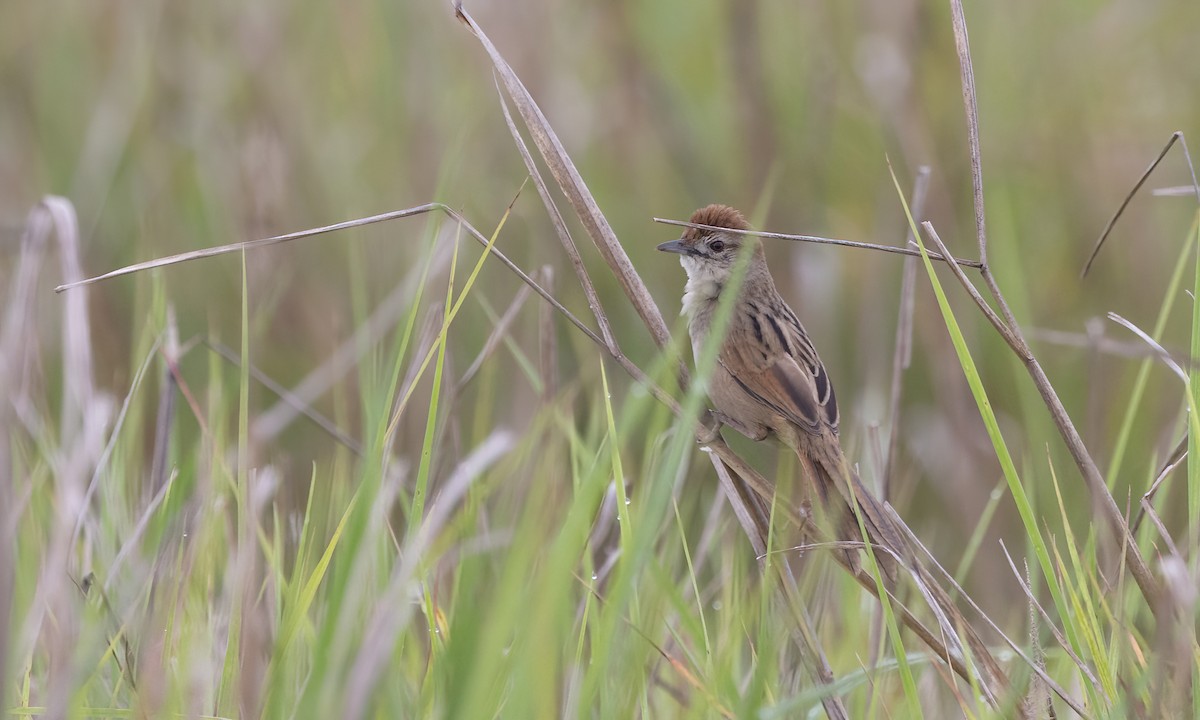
268, 424
499, 330
818, 240
1092, 478
1039, 668
164, 421
752, 514
83, 422
548, 343
286, 397
560, 228
571, 182
392, 612
1193, 190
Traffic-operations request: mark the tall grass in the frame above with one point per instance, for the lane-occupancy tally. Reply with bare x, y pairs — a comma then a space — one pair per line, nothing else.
474, 541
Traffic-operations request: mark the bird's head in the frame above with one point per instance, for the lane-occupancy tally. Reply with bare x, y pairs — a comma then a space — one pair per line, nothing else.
712, 253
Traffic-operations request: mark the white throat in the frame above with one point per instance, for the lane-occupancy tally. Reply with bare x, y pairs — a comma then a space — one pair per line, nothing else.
702, 286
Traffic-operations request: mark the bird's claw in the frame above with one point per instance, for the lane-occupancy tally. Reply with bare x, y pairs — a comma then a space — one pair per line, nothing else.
710, 428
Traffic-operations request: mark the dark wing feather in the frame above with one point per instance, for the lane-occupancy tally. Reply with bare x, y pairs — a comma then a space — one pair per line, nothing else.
779, 367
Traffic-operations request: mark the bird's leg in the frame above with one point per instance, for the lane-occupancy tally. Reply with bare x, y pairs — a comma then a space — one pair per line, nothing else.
756, 433
710, 428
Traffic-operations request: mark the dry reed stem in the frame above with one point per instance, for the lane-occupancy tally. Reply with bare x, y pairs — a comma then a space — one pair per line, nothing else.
901, 359
1158, 352
1174, 460
165, 416
749, 506
751, 512
496, 336
893, 249
1040, 672
253, 244
1193, 189
1092, 478
1156, 521
952, 621
548, 342
1171, 684
936, 643
286, 396
1103, 344
85, 414
79, 390
393, 609
1005, 331
269, 424
1039, 693
251, 592
131, 543
560, 229
119, 423
571, 183
623, 361
15, 351
1091, 474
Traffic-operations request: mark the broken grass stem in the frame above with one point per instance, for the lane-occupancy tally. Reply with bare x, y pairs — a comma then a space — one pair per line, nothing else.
825, 241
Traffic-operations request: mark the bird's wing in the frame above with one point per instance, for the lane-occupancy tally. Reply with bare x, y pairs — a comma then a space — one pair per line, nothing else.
771, 358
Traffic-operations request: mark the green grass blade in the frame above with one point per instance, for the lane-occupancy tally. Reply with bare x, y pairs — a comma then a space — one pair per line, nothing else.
1121, 444
971, 372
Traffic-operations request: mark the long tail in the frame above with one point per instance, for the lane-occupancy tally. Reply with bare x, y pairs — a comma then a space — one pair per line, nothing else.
830, 469
841, 493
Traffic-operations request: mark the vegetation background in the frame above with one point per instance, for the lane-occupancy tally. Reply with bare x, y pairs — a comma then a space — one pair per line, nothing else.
591, 568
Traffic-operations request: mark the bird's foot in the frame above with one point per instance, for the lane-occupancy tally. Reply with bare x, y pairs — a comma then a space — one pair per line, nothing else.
710, 428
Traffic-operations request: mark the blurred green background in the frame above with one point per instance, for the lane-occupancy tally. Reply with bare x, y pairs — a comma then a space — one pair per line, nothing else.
175, 126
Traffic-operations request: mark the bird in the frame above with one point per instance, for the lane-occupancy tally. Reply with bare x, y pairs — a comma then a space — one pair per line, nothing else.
769, 382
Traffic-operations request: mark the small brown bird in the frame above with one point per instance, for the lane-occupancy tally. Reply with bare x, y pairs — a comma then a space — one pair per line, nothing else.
769, 380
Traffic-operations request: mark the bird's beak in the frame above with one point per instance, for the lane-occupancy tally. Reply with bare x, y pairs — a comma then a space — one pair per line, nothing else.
675, 246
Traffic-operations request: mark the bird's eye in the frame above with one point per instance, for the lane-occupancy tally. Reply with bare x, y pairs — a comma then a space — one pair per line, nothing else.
717, 245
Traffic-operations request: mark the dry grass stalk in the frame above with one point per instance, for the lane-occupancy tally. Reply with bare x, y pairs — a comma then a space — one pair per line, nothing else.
1193, 189
1171, 684
560, 229
267, 425
298, 405
1092, 478
817, 239
499, 331
165, 418
571, 183
548, 345
393, 608
53, 619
